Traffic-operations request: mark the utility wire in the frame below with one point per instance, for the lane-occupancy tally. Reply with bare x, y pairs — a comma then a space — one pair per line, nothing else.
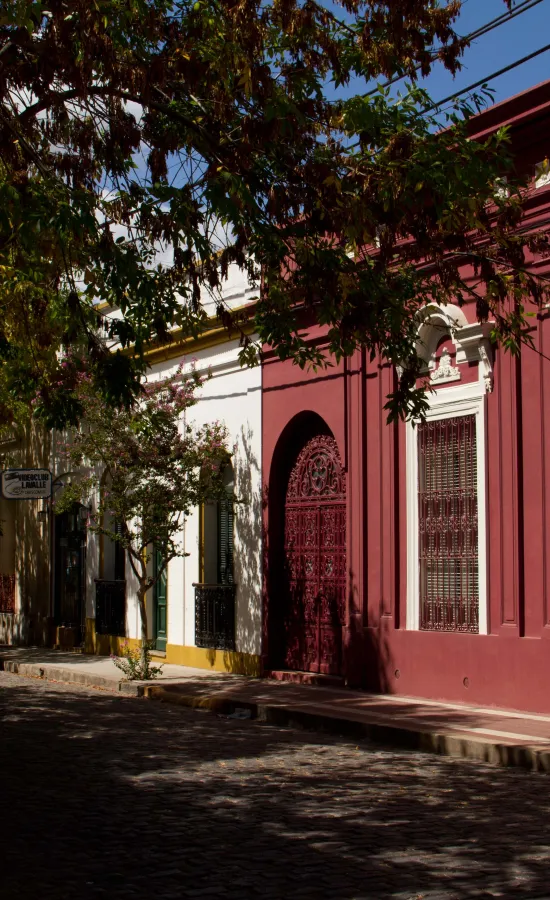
524, 6
437, 106
477, 84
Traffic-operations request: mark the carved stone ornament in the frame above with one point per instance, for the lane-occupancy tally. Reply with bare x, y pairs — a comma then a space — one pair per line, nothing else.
445, 371
472, 342
487, 369
542, 174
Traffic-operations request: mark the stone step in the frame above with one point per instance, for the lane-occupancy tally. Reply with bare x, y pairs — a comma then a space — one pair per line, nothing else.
294, 676
64, 649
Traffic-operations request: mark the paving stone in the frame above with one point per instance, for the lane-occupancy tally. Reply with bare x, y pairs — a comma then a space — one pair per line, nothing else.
105, 796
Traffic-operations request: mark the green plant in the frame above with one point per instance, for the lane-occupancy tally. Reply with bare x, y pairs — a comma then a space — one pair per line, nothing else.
135, 662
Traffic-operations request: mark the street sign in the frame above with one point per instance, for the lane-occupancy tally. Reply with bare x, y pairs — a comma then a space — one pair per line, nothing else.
26, 484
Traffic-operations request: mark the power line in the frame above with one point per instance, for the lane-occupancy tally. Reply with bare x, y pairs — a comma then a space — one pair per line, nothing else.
482, 81
522, 7
437, 106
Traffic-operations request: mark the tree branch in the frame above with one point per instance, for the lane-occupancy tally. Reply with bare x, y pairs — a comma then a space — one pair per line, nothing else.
109, 91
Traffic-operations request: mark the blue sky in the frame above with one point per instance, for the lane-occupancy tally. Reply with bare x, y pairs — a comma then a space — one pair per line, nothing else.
502, 46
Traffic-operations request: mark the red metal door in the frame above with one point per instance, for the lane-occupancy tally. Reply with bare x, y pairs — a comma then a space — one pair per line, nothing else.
315, 548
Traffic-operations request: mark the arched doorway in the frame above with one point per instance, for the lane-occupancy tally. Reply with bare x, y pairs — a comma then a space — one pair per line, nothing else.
315, 559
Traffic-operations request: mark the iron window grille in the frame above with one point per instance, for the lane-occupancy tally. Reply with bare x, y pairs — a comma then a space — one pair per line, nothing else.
110, 607
215, 616
7, 593
448, 525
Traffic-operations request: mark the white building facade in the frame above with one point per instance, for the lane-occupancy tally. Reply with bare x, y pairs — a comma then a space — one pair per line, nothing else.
206, 611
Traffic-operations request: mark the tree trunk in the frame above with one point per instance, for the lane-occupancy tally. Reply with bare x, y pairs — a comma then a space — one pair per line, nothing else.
143, 614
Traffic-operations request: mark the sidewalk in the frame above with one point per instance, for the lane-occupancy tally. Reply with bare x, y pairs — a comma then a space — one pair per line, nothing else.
92, 671
500, 737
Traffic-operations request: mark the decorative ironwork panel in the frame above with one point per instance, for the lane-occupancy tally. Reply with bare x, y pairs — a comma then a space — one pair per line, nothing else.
448, 537
110, 607
332, 568
315, 549
7, 593
318, 471
215, 616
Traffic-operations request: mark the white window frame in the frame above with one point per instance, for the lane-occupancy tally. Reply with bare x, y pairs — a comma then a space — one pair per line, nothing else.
446, 403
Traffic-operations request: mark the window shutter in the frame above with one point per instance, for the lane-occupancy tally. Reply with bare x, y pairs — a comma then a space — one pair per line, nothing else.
225, 540
120, 555
160, 585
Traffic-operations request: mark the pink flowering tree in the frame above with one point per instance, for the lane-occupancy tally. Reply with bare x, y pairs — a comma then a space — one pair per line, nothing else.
150, 466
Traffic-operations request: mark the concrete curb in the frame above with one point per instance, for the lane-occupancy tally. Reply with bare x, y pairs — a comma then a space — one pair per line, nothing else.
48, 672
394, 735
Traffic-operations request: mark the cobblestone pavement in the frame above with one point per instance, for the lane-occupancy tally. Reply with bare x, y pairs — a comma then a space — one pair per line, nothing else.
109, 797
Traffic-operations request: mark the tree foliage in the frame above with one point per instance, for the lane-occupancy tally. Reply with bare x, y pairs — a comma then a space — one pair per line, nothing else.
212, 131
148, 466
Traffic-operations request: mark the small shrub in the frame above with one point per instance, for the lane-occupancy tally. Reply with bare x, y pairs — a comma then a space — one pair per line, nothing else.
135, 664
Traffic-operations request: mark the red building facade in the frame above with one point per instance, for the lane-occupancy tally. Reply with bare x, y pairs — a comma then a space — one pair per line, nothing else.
416, 560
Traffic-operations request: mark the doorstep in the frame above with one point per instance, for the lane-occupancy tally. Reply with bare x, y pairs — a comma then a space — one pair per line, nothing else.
294, 676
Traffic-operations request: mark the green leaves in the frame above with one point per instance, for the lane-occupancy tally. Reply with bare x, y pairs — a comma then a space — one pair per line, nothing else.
155, 144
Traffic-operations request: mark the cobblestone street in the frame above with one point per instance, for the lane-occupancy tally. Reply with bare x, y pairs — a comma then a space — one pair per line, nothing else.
110, 797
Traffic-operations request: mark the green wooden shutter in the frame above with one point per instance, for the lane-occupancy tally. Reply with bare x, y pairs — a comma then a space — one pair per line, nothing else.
120, 556
225, 540
160, 602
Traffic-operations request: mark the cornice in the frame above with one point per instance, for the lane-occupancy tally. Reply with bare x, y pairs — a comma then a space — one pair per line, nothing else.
212, 336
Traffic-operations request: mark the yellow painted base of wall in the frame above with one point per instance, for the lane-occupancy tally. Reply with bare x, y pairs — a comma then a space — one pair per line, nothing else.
196, 657
65, 638
105, 644
215, 660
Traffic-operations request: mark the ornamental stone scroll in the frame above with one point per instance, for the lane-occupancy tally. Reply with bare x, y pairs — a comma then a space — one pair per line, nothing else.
470, 340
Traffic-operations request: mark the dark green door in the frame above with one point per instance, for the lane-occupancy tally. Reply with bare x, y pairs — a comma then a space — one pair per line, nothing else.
159, 599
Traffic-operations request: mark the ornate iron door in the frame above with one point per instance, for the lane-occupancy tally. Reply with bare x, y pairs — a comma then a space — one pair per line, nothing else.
315, 548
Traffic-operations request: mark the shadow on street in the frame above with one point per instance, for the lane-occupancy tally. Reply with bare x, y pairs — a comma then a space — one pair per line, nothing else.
110, 797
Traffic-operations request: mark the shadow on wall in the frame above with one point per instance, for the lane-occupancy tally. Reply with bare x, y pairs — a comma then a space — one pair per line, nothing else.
235, 661
247, 561
368, 660
32, 622
93, 571
377, 663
